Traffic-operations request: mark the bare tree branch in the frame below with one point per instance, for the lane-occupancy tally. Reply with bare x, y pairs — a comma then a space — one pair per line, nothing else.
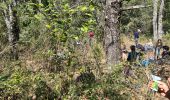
135, 7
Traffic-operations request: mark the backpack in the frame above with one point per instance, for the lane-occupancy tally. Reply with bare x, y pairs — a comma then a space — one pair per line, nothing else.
141, 47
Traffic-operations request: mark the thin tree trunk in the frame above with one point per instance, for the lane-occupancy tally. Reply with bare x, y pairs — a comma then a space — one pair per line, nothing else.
39, 1
112, 35
160, 26
155, 25
12, 29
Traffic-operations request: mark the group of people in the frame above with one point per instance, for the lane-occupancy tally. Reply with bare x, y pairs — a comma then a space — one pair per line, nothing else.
151, 52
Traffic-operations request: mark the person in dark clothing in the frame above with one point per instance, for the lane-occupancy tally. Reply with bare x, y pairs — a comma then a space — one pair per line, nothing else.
136, 36
140, 47
165, 52
132, 56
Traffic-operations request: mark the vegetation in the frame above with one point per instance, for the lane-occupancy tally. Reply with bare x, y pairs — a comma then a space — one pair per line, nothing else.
46, 51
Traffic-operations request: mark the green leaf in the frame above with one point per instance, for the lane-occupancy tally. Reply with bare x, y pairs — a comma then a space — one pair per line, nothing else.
90, 15
66, 6
91, 8
83, 8
40, 5
3, 6
48, 26
76, 37
84, 29
38, 16
50, 52
71, 11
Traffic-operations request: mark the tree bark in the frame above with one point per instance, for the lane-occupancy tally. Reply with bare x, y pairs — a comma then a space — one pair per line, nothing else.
155, 17
160, 26
112, 34
12, 29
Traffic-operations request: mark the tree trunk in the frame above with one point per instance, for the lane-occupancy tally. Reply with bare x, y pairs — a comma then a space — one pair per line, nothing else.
12, 29
155, 17
39, 1
112, 35
160, 26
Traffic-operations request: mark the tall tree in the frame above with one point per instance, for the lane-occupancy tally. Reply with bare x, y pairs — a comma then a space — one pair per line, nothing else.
160, 24
166, 19
112, 34
155, 15
11, 21
157, 19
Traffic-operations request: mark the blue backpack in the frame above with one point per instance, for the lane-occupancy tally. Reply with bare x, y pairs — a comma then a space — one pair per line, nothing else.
145, 63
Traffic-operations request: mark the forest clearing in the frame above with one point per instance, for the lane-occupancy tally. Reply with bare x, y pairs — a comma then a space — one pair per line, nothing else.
84, 49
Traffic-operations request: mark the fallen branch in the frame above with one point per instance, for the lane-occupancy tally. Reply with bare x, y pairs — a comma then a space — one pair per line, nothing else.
135, 7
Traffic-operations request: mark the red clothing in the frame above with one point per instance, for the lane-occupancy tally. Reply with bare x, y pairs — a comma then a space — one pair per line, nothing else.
91, 34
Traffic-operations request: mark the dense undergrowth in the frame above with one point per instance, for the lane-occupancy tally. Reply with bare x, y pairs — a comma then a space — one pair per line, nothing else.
20, 83
78, 75
73, 77
35, 79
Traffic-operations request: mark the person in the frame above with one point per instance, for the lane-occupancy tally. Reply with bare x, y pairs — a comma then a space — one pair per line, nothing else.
140, 47
124, 51
129, 34
136, 36
149, 46
164, 89
158, 48
91, 35
132, 56
165, 52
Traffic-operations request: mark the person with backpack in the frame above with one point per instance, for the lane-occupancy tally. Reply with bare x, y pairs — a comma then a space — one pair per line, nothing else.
132, 56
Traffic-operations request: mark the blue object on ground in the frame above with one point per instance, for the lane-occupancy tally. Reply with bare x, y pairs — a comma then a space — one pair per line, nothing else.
145, 63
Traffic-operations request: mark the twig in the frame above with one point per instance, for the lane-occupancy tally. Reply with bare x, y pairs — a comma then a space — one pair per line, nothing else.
135, 7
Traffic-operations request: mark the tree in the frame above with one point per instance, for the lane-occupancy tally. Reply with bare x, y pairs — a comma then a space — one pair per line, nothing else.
166, 19
157, 19
11, 21
155, 26
112, 34
160, 23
